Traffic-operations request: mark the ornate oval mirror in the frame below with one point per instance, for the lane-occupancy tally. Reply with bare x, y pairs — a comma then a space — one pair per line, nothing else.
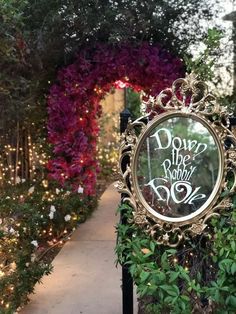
178, 167
174, 162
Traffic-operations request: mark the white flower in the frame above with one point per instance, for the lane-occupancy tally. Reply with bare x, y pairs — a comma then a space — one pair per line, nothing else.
52, 209
23, 180
80, 189
12, 231
18, 180
35, 243
57, 191
33, 257
67, 217
7, 197
51, 215
31, 190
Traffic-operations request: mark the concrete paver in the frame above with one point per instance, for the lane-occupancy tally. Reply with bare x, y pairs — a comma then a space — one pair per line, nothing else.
85, 279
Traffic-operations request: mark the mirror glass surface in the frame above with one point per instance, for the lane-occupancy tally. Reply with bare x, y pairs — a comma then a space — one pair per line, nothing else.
177, 166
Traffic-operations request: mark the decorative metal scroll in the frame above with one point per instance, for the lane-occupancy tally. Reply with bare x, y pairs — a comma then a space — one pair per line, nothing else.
179, 159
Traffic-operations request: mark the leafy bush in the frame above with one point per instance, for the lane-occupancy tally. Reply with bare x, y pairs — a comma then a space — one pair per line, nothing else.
34, 219
196, 277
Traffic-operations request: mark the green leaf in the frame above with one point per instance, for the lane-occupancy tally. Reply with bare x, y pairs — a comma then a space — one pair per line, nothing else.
221, 251
176, 289
168, 300
171, 251
183, 305
233, 246
173, 276
170, 290
145, 256
164, 260
232, 301
184, 275
233, 268
143, 291
225, 265
161, 276
144, 275
185, 298
152, 246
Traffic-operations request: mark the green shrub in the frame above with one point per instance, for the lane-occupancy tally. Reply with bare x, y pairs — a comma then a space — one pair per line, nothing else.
33, 220
196, 277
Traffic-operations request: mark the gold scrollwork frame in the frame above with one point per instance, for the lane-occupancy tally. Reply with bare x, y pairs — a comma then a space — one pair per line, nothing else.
188, 97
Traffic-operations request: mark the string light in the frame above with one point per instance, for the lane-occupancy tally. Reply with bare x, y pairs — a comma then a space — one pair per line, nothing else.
10, 167
10, 172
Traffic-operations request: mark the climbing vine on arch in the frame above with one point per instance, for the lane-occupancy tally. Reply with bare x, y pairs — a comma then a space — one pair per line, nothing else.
74, 102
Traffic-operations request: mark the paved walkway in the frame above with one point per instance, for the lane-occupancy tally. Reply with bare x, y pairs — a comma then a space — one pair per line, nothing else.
85, 279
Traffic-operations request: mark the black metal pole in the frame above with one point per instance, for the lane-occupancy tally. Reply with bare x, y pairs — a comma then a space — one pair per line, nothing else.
127, 281
124, 118
232, 122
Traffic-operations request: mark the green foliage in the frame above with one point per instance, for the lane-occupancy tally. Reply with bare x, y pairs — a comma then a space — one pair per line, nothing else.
38, 37
196, 277
229, 101
203, 64
172, 23
34, 219
133, 102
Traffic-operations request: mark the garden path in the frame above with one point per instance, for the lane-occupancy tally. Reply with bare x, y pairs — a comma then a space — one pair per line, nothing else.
85, 279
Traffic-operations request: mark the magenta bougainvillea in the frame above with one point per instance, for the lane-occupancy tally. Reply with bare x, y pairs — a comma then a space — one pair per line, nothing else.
73, 103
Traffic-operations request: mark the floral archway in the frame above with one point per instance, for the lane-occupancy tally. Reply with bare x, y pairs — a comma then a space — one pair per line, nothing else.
73, 103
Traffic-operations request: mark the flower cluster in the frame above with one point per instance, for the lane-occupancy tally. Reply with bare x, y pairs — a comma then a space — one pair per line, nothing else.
73, 103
